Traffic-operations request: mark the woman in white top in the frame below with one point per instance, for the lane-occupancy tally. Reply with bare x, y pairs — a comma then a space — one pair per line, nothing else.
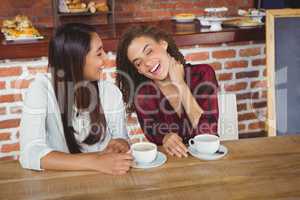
76, 122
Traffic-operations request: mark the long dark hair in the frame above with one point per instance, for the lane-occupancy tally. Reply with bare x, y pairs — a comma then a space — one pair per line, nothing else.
125, 67
67, 53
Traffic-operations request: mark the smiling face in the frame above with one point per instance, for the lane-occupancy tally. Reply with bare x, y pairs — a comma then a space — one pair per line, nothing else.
95, 59
149, 57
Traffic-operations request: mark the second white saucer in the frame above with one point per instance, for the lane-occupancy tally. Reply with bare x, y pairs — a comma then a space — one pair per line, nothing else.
204, 156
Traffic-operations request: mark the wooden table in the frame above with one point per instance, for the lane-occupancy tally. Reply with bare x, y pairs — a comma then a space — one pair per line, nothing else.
258, 169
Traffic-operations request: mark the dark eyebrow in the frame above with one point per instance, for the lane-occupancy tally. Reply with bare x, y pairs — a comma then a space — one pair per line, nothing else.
145, 47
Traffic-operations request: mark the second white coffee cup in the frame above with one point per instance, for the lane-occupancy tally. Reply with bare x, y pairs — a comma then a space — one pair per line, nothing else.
205, 143
144, 152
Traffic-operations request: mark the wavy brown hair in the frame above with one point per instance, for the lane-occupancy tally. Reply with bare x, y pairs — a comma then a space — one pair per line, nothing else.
126, 71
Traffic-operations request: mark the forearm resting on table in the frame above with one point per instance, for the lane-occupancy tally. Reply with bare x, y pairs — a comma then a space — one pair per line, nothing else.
65, 161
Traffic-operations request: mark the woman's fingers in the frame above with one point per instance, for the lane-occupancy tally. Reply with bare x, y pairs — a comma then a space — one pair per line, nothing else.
118, 145
176, 71
169, 151
124, 167
120, 148
126, 156
178, 151
123, 163
124, 148
181, 147
171, 63
110, 149
175, 147
117, 148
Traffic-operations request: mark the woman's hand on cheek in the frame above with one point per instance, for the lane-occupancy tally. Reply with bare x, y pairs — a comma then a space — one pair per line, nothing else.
117, 146
176, 71
174, 146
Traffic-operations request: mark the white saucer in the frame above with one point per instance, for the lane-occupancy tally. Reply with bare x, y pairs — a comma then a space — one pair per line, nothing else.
160, 159
204, 156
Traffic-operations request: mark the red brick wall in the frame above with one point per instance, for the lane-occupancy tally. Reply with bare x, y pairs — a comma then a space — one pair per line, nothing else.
126, 10
141, 10
240, 69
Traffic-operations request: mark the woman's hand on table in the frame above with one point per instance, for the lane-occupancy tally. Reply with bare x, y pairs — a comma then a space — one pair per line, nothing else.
112, 163
174, 146
117, 146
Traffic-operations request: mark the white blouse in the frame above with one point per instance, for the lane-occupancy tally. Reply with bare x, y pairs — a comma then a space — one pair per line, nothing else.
41, 129
81, 125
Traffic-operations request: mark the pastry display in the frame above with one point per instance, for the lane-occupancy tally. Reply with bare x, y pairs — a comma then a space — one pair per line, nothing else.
75, 6
102, 7
216, 12
78, 6
243, 22
255, 14
251, 12
184, 17
19, 28
213, 18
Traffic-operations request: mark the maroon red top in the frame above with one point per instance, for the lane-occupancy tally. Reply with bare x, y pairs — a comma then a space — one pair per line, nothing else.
157, 117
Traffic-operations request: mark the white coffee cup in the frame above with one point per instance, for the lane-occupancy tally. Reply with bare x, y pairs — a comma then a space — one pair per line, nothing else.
144, 152
205, 143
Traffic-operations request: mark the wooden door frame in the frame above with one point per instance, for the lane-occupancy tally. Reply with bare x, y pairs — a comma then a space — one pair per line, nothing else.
271, 15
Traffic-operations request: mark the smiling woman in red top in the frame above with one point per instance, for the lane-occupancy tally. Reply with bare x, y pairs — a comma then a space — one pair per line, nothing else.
174, 101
